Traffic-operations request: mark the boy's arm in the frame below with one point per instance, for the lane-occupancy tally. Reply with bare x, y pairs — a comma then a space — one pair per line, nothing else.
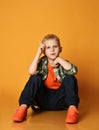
66, 65
33, 66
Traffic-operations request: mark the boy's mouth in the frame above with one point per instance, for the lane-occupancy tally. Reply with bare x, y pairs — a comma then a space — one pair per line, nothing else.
52, 54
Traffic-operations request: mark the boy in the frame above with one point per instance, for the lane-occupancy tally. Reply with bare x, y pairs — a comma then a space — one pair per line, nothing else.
52, 85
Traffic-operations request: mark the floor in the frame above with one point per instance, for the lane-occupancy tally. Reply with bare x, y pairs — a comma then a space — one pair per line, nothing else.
49, 120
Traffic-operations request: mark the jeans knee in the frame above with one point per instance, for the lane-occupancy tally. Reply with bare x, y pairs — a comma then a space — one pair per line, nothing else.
70, 77
35, 77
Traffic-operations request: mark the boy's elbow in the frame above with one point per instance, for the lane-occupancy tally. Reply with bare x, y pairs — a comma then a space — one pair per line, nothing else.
32, 72
75, 70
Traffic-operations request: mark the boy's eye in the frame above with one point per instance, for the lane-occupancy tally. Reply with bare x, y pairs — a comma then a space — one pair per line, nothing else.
55, 46
47, 47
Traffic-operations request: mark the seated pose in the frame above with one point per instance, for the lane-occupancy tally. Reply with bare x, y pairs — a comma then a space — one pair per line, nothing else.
52, 84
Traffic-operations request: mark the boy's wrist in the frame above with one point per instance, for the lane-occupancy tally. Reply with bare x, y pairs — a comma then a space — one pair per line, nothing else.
58, 59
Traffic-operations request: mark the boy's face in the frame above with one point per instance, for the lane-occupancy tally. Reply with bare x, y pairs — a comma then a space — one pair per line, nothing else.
52, 49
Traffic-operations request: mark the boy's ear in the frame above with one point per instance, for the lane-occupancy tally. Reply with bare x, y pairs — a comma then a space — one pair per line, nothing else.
60, 49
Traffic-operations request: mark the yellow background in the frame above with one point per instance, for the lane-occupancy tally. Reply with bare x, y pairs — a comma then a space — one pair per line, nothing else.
23, 23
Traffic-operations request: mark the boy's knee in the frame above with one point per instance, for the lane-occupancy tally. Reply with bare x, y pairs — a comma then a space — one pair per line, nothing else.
70, 78
35, 77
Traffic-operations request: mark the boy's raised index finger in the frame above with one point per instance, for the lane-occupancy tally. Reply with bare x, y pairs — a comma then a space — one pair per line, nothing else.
42, 44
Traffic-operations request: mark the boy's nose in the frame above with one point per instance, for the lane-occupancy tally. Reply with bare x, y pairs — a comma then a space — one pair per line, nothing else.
52, 49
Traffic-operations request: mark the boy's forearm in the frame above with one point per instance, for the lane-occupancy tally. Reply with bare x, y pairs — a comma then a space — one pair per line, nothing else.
65, 64
33, 66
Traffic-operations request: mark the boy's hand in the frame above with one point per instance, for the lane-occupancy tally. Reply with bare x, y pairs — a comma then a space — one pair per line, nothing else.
56, 62
41, 48
64, 63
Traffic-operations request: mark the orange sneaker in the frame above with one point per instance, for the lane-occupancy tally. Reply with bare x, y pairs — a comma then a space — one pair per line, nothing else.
20, 114
72, 115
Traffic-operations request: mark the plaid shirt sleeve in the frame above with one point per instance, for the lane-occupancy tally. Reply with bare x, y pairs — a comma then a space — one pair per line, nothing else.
42, 67
72, 71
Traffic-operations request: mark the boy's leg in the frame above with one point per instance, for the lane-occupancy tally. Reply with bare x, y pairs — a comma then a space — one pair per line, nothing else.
70, 90
30, 90
27, 97
71, 98
66, 95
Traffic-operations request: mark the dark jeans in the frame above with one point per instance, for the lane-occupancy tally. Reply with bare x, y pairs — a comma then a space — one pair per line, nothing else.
48, 99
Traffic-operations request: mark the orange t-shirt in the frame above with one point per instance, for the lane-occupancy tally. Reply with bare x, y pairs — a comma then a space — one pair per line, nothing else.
51, 81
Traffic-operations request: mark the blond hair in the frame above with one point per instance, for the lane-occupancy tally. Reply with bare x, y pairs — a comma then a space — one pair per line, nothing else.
51, 36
